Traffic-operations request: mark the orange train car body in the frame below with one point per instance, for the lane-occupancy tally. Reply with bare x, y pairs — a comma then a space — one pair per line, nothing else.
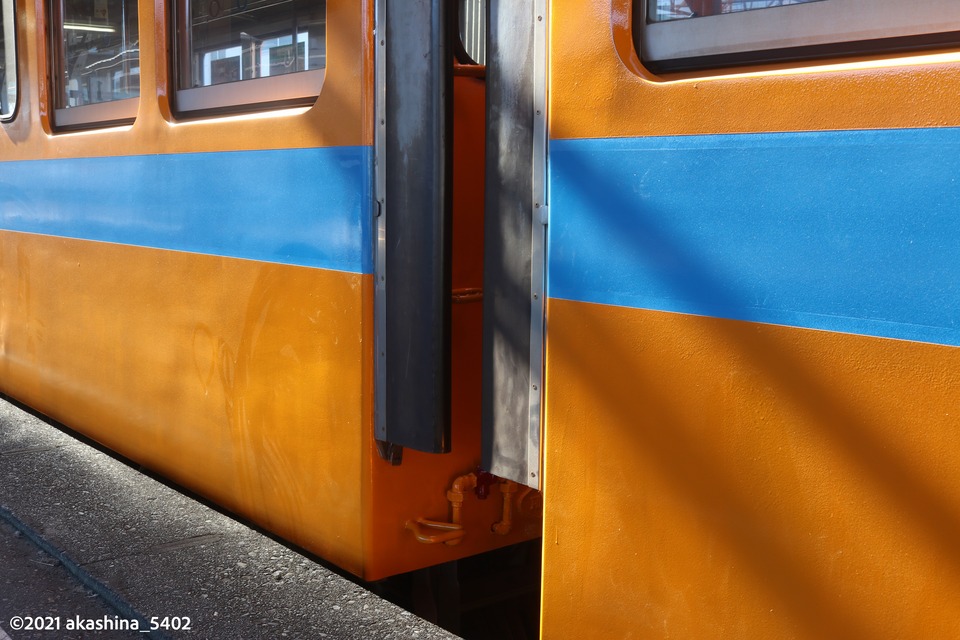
738, 392
751, 406
130, 311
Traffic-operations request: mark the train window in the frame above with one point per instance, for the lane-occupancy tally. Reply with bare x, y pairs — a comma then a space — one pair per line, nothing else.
249, 53
663, 10
8, 61
689, 34
96, 62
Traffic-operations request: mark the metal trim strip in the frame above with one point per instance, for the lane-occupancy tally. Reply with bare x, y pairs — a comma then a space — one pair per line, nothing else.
538, 241
380, 181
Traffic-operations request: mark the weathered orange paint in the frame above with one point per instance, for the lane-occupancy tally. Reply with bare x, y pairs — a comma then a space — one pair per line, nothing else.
598, 88
341, 116
243, 381
248, 383
709, 478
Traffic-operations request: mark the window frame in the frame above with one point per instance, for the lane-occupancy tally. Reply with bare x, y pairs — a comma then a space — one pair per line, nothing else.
816, 31
13, 47
110, 113
299, 89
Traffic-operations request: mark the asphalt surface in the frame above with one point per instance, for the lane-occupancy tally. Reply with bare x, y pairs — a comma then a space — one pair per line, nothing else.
36, 587
92, 548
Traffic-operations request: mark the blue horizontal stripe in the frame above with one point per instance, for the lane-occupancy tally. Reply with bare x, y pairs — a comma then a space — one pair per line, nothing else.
308, 207
851, 231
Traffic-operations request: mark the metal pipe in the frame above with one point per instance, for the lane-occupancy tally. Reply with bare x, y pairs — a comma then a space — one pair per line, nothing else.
503, 527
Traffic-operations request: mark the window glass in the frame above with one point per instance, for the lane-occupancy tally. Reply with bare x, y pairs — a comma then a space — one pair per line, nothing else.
231, 42
473, 29
663, 10
99, 52
8, 60
691, 34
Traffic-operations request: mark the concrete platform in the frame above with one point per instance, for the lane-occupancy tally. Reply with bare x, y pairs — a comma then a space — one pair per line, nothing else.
126, 547
37, 591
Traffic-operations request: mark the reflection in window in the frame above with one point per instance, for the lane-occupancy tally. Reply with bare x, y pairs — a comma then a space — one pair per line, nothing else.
232, 40
99, 55
8, 60
664, 10
473, 29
